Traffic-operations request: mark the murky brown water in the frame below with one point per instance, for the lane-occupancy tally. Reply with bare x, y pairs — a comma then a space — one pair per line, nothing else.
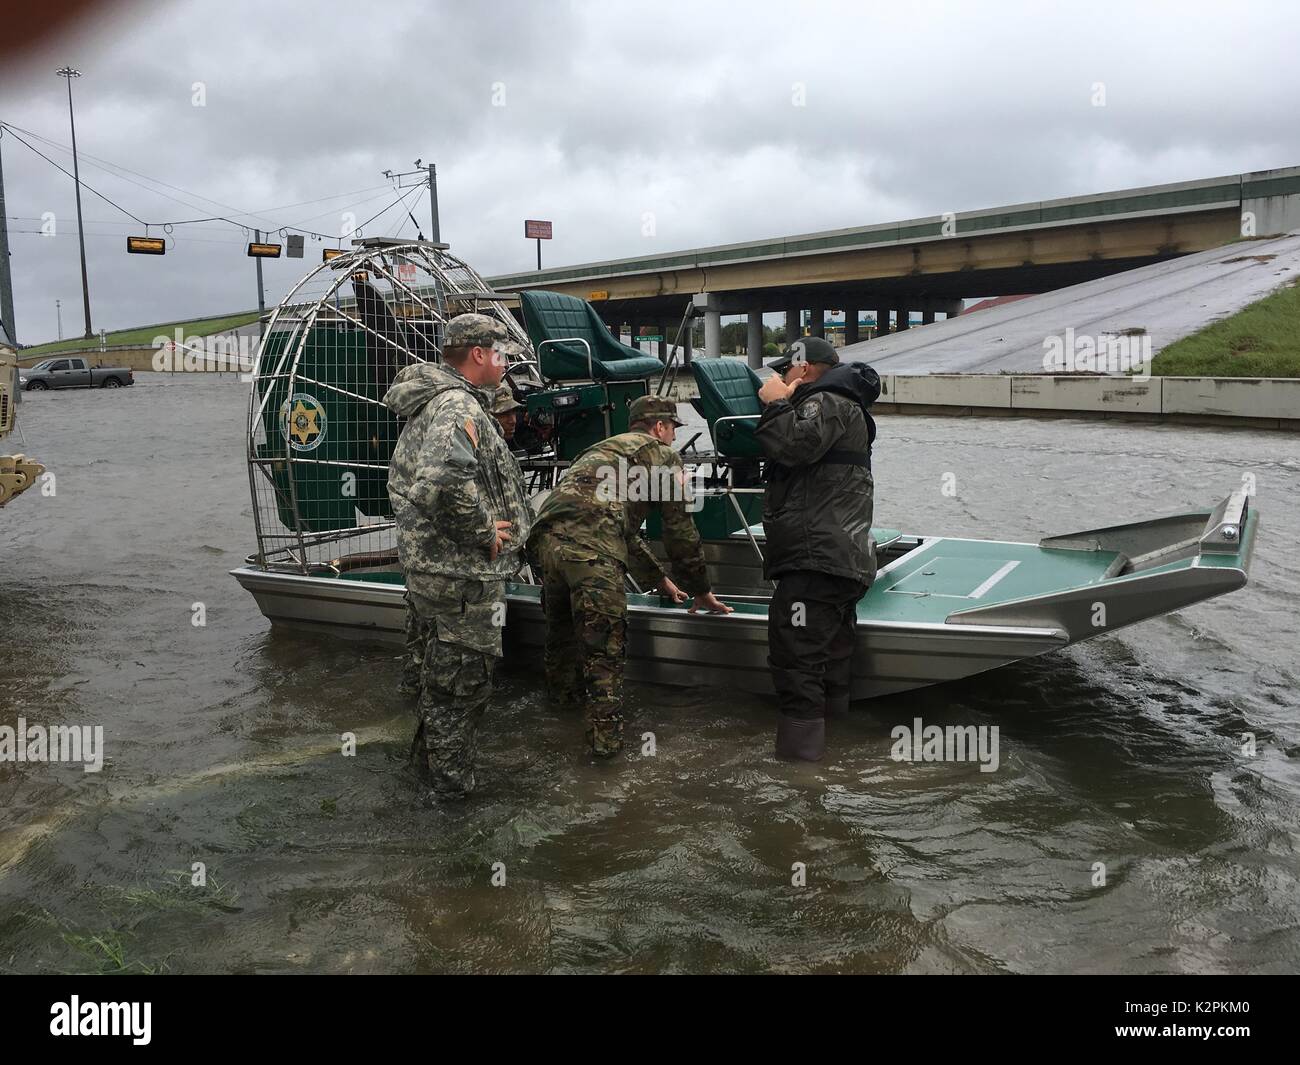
222, 748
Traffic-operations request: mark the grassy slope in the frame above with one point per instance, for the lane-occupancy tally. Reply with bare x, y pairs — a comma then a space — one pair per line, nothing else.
144, 335
1261, 340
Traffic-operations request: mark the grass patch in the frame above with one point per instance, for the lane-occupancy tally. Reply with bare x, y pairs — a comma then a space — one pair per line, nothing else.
110, 944
143, 335
1261, 340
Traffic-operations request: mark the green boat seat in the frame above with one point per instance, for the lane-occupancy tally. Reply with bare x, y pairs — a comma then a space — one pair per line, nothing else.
555, 316
729, 389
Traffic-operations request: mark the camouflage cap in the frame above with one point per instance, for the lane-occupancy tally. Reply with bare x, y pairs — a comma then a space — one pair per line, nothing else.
806, 349
478, 330
504, 402
653, 408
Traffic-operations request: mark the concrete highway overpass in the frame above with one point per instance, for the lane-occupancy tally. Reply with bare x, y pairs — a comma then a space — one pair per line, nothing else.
1148, 308
927, 265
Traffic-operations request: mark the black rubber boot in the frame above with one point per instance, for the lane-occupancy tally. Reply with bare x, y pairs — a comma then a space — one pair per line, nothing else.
800, 739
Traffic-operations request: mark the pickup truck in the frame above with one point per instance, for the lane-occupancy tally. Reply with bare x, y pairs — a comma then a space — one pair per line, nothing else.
73, 372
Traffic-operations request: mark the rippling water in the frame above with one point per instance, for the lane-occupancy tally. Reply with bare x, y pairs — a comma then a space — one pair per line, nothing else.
223, 748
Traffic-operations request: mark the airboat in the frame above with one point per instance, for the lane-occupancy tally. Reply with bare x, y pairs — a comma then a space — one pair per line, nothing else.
941, 608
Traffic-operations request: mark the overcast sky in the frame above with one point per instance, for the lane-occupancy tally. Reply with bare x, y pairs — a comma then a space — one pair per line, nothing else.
717, 122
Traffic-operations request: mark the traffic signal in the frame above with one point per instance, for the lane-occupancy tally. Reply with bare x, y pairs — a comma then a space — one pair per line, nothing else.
146, 245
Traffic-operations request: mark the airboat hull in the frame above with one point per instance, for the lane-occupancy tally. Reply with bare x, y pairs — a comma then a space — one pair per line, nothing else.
665, 644
941, 608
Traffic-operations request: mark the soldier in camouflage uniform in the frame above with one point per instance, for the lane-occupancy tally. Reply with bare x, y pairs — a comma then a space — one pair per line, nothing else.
462, 516
587, 538
505, 409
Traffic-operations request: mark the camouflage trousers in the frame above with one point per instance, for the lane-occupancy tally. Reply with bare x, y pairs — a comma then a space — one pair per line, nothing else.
417, 639
461, 621
585, 602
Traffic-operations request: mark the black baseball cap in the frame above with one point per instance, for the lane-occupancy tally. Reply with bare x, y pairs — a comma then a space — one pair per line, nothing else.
806, 349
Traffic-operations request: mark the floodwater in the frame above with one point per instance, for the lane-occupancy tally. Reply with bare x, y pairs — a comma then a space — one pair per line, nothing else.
223, 748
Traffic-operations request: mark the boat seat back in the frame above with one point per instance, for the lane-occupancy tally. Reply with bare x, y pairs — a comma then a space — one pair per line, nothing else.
555, 316
729, 389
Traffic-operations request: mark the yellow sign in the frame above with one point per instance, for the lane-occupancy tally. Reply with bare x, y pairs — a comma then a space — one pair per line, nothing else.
264, 251
602, 294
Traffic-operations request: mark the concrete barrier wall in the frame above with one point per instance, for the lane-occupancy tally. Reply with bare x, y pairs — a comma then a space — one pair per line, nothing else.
1272, 402
970, 390
1239, 397
1086, 393
138, 359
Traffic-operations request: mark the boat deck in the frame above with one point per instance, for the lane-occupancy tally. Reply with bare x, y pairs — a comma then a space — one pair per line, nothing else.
943, 575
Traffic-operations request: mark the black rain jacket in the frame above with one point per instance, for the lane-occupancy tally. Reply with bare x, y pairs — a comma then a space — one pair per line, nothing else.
817, 510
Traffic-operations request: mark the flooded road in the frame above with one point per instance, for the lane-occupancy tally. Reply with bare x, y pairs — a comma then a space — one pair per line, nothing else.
222, 747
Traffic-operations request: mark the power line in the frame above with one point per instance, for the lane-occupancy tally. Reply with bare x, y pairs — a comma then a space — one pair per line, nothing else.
62, 171
260, 214
192, 221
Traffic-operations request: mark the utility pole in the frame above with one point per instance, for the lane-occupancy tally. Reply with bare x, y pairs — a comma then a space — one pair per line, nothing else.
68, 73
433, 203
58, 311
6, 281
261, 296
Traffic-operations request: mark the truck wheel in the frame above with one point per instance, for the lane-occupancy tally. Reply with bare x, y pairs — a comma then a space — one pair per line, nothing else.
37, 386
112, 382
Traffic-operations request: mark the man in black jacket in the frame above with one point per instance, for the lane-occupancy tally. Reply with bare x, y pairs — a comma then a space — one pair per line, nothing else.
816, 435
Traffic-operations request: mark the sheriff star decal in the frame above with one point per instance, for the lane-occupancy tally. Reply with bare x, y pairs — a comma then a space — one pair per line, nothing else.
302, 420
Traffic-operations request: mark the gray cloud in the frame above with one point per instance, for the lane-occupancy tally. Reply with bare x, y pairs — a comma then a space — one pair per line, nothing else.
612, 113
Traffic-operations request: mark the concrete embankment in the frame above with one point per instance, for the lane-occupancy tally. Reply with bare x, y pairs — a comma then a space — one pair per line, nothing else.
1253, 402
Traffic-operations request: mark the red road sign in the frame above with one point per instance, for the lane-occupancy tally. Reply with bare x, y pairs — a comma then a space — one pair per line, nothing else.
538, 230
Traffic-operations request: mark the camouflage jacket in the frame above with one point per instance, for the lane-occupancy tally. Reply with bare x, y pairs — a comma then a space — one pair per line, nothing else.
452, 477
599, 505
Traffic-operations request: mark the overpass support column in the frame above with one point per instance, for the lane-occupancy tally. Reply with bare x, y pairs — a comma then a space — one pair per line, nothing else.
633, 329
953, 308
927, 311
754, 347
882, 321
850, 324
708, 303
817, 322
793, 327
902, 317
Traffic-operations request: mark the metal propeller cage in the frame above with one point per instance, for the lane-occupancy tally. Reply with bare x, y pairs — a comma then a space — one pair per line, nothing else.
319, 437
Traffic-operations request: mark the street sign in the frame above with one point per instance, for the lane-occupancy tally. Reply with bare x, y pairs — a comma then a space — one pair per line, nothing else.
264, 251
330, 253
293, 247
601, 294
146, 245
537, 230
650, 336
